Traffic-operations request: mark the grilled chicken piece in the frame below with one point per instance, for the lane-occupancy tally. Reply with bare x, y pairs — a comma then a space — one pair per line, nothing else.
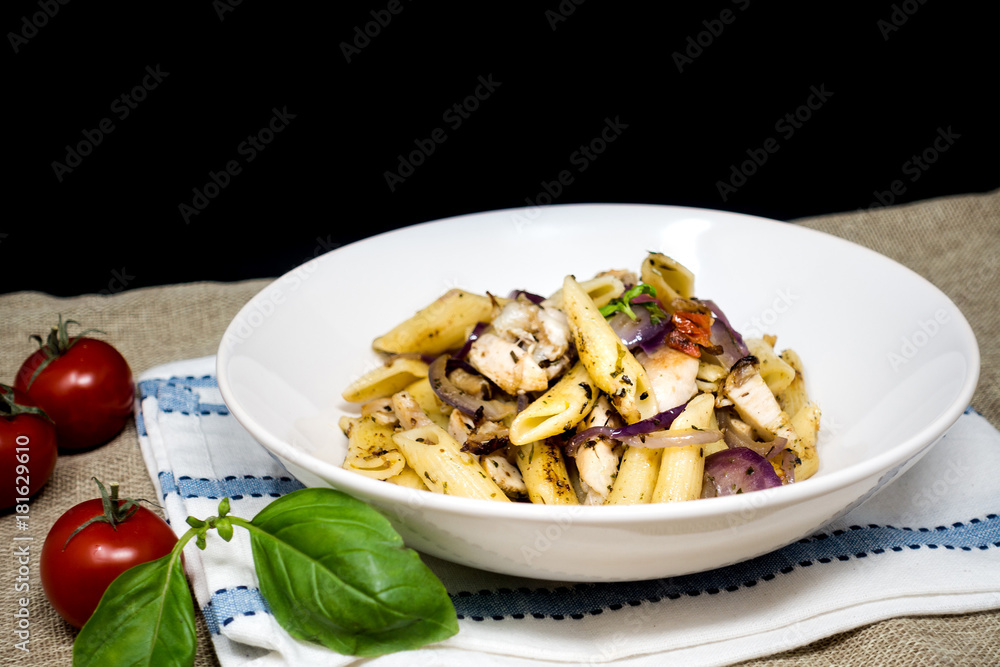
542, 331
408, 411
755, 403
597, 463
381, 411
506, 364
673, 375
506, 474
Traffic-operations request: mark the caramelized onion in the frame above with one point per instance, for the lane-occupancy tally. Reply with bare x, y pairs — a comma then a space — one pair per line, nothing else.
680, 437
449, 392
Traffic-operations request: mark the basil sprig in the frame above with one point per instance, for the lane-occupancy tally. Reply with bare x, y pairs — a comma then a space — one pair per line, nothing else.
332, 570
625, 302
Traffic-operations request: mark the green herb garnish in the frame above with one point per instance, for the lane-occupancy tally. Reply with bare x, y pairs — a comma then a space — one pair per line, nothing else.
624, 304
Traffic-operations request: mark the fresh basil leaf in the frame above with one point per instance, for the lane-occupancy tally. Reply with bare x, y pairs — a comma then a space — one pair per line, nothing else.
146, 617
334, 572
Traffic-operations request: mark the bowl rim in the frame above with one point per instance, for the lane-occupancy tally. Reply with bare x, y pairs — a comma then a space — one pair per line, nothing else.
606, 515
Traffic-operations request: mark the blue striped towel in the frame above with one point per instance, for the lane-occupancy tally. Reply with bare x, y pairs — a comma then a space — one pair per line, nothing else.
927, 544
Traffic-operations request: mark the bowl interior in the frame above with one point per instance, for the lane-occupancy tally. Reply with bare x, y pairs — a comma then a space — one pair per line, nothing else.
888, 357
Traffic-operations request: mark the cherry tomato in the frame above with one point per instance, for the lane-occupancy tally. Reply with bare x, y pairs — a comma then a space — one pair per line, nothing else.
84, 384
27, 447
76, 573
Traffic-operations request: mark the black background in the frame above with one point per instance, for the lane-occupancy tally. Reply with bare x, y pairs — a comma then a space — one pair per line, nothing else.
895, 76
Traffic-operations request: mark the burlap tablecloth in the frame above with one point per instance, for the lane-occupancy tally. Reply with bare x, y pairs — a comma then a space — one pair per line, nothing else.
954, 242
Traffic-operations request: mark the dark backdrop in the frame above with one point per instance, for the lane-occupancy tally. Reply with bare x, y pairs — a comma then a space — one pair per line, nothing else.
155, 143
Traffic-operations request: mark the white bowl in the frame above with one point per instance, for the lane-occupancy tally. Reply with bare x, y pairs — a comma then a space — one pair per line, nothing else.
888, 357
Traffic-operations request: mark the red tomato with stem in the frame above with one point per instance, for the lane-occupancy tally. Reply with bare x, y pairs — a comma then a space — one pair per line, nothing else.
84, 384
94, 542
28, 447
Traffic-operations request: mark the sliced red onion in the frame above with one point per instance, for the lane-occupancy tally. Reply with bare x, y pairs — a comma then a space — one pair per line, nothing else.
788, 461
447, 391
477, 331
743, 437
657, 422
681, 437
533, 298
641, 330
724, 335
740, 470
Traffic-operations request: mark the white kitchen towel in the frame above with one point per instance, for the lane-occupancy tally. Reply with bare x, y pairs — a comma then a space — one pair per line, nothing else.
929, 543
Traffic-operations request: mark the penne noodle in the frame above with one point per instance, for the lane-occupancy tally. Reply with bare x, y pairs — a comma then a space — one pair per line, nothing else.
682, 468
611, 366
794, 397
637, 477
670, 278
436, 410
601, 290
543, 470
385, 380
806, 425
558, 410
409, 478
370, 449
439, 461
777, 374
443, 325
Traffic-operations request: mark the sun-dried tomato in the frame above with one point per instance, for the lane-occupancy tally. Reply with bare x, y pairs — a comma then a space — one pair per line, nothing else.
690, 331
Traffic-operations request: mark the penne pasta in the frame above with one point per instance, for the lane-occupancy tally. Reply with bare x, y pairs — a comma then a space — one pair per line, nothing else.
556, 411
610, 364
436, 410
409, 478
601, 291
806, 424
370, 449
386, 380
439, 461
441, 326
671, 279
682, 468
637, 477
794, 397
544, 472
774, 370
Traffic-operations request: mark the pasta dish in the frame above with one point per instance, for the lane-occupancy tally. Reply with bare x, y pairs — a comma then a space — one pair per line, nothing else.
619, 389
